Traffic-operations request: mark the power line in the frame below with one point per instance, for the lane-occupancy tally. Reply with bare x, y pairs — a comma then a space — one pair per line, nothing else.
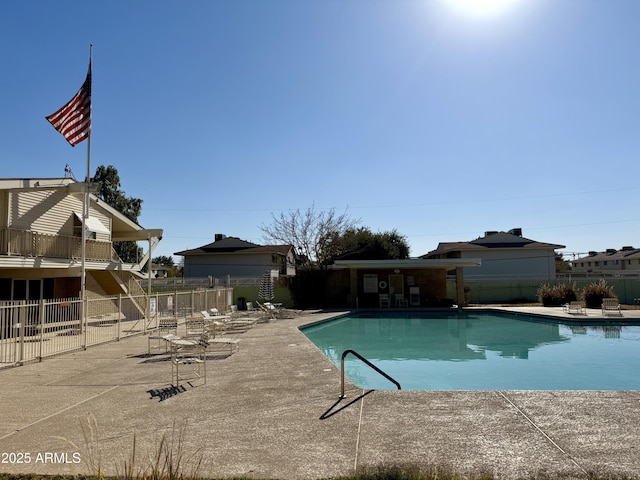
406, 205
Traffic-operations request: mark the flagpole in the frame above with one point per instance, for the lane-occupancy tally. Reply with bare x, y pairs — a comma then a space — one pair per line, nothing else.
73, 121
85, 214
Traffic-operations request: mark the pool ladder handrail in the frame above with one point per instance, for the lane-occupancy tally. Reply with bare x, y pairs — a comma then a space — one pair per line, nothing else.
367, 362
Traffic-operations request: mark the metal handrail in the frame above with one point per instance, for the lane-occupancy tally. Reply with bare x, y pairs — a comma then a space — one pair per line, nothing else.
356, 354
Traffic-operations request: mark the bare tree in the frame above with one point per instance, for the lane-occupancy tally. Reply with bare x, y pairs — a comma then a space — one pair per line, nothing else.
309, 232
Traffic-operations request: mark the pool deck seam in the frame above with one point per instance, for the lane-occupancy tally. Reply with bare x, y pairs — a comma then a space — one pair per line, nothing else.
359, 431
541, 431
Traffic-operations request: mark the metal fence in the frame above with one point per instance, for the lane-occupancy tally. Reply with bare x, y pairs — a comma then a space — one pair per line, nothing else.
31, 330
173, 283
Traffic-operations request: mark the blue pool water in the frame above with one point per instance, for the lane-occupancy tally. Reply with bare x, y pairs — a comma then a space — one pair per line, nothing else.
482, 351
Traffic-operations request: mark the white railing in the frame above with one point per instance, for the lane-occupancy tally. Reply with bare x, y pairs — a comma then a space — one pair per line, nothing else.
27, 243
31, 330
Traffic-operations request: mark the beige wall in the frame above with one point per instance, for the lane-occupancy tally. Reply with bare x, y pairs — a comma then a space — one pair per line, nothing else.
49, 211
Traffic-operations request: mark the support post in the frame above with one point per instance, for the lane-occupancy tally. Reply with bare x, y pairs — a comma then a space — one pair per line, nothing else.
459, 286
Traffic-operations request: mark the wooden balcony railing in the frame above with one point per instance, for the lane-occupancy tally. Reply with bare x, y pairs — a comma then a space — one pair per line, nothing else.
27, 243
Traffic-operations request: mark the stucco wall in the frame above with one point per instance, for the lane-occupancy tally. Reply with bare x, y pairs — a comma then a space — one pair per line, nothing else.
223, 265
523, 263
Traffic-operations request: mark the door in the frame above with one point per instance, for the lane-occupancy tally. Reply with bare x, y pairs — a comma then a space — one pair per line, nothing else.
396, 288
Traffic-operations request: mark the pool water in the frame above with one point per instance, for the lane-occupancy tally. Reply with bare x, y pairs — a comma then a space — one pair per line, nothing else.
482, 351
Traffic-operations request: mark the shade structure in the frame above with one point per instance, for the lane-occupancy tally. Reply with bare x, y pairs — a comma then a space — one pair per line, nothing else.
266, 287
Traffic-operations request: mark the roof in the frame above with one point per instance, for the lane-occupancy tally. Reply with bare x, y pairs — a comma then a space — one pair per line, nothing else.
611, 254
491, 240
234, 245
412, 263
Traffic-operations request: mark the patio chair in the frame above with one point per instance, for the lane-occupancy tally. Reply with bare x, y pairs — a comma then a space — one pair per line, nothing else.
229, 323
611, 305
269, 310
575, 307
226, 342
166, 326
383, 300
214, 312
400, 301
195, 326
251, 308
213, 336
189, 360
280, 311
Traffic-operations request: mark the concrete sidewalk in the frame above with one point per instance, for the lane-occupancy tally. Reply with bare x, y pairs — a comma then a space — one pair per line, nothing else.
271, 410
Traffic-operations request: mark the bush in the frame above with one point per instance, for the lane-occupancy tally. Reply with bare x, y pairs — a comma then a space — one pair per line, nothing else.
556, 295
595, 292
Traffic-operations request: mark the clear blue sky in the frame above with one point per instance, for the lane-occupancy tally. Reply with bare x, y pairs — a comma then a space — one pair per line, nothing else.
408, 114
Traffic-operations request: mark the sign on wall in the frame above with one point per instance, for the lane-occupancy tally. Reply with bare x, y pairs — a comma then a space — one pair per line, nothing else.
370, 282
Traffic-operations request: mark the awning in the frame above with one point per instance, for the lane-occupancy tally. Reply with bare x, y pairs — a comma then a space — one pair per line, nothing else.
408, 263
93, 224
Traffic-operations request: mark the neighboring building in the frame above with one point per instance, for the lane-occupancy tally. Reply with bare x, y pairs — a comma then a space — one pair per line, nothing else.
41, 242
503, 255
625, 260
231, 256
160, 271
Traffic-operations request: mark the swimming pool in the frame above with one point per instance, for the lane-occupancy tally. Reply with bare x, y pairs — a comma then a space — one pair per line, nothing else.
484, 350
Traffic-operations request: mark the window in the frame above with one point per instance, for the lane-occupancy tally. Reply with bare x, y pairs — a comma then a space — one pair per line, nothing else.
93, 226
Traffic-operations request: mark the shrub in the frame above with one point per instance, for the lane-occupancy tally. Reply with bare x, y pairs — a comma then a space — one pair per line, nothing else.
556, 295
595, 292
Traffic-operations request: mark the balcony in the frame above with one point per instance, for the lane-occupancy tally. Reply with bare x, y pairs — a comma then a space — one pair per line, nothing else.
27, 243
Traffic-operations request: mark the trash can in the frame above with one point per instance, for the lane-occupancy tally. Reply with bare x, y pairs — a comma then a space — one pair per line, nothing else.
242, 303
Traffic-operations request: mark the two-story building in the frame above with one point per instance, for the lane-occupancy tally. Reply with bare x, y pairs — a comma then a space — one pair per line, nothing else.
231, 256
504, 255
41, 251
623, 261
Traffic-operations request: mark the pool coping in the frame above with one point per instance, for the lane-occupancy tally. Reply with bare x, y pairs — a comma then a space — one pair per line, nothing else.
272, 410
628, 317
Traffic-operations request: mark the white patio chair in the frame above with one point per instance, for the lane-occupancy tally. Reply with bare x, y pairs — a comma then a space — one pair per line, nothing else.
611, 305
189, 360
166, 326
383, 300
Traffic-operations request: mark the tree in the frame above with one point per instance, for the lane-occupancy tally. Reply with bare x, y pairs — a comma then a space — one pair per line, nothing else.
561, 264
362, 244
310, 233
163, 261
130, 207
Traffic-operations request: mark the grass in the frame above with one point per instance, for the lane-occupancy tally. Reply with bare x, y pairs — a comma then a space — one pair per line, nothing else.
161, 471
170, 461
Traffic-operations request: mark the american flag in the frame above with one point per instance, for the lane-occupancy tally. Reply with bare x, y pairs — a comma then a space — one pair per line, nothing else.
73, 120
